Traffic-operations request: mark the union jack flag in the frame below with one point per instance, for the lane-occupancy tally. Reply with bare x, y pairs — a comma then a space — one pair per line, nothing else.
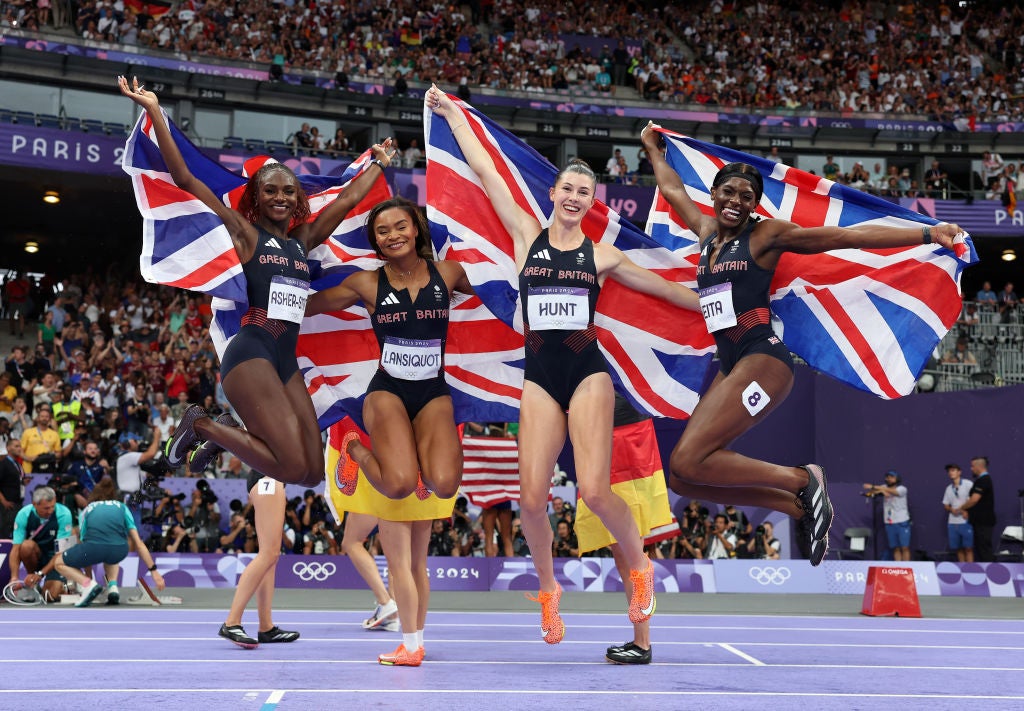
659, 355
186, 245
870, 318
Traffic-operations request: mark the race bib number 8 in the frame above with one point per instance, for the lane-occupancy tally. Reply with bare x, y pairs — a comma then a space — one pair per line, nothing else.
411, 360
755, 398
558, 308
716, 305
287, 299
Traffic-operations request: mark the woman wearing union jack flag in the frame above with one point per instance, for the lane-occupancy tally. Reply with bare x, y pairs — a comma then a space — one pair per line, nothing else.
739, 253
568, 389
272, 235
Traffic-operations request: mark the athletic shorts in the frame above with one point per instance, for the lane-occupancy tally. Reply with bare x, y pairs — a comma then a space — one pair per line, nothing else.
414, 394
961, 536
899, 534
256, 342
86, 554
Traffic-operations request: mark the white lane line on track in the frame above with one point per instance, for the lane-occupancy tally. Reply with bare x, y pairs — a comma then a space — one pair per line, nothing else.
540, 692
505, 662
753, 660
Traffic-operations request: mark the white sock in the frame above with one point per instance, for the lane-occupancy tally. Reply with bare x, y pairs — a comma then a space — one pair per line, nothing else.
419, 638
409, 640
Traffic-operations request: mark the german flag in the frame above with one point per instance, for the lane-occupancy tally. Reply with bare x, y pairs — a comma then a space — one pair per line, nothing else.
638, 478
153, 8
366, 499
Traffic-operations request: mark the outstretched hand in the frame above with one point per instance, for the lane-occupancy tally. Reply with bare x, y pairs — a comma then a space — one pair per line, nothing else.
384, 151
944, 233
651, 139
137, 93
438, 102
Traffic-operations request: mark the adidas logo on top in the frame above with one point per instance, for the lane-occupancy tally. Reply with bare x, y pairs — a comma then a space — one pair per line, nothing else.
542, 254
272, 242
390, 299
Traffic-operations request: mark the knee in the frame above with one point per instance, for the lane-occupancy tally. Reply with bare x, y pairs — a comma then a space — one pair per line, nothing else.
685, 468
442, 487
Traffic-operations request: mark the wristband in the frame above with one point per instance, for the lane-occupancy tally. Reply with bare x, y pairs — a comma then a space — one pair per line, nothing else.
152, 568
377, 161
926, 234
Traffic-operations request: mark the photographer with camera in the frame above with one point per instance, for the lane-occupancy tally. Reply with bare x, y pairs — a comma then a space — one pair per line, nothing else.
319, 540
565, 544
443, 538
89, 470
137, 411
314, 509
764, 545
721, 542
739, 526
175, 526
205, 514
130, 474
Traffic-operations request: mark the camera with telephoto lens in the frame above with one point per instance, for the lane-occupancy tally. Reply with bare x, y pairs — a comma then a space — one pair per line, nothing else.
209, 497
760, 530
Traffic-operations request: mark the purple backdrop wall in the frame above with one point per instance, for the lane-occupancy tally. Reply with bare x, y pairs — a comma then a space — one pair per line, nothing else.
858, 437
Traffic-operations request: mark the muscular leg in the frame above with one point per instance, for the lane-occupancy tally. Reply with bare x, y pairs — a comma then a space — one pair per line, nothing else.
641, 630
542, 430
396, 538
590, 430
439, 448
418, 554
700, 458
357, 527
269, 513
72, 574
394, 446
281, 437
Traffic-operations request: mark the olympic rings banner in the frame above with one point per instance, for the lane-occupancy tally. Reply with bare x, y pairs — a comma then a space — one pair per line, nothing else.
847, 577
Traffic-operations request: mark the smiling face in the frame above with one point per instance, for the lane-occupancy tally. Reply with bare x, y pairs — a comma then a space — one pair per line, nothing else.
277, 197
734, 201
393, 233
573, 195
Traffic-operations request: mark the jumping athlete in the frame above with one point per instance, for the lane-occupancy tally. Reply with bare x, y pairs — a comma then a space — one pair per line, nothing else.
408, 410
567, 388
259, 371
739, 253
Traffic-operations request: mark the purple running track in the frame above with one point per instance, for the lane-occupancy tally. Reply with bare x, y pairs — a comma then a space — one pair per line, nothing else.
165, 657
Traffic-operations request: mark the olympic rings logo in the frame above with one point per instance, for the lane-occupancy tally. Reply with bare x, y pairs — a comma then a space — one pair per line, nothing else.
770, 575
314, 571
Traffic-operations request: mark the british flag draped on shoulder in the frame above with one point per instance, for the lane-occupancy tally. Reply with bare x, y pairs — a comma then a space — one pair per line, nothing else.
870, 318
187, 246
659, 355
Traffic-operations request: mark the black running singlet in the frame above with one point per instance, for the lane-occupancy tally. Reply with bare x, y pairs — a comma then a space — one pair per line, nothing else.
734, 301
411, 334
277, 278
559, 293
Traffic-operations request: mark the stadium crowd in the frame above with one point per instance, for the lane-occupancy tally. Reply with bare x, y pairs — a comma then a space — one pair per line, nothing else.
950, 61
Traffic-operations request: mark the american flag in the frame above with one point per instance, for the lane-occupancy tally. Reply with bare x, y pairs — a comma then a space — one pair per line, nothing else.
490, 470
659, 355
870, 318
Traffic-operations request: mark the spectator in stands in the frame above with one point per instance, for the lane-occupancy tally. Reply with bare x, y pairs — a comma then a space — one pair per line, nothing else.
991, 169
1008, 302
960, 353
303, 139
773, 155
16, 297
936, 180
88, 471
340, 142
412, 155
11, 475
830, 170
986, 296
41, 448
859, 177
615, 164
